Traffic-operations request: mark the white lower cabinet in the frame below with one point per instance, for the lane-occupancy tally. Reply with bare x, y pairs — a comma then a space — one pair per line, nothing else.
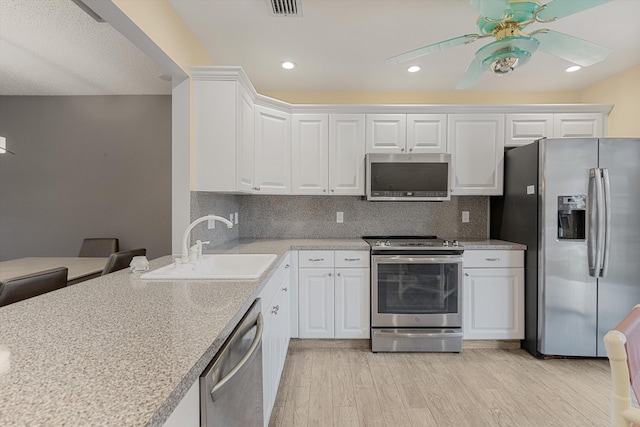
493, 294
333, 294
275, 337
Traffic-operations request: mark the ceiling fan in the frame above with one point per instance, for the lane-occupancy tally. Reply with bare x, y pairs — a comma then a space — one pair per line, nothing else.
505, 20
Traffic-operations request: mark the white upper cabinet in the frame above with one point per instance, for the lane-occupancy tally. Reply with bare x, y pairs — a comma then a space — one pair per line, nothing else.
476, 145
223, 135
426, 133
406, 133
386, 133
522, 129
310, 153
577, 125
346, 154
328, 154
272, 170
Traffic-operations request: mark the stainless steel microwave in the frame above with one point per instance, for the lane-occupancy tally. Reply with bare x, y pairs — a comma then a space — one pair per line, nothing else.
408, 177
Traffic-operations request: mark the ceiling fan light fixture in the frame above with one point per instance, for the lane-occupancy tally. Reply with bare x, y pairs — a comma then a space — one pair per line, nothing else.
504, 65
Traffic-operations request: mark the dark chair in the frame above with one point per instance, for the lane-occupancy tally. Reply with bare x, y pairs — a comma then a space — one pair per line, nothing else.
121, 260
23, 287
99, 246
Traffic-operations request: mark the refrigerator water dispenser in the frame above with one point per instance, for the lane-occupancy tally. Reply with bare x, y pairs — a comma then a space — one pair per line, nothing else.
571, 217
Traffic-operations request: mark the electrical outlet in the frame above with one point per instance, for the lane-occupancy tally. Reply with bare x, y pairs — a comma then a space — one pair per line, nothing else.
235, 220
211, 223
231, 217
465, 216
339, 217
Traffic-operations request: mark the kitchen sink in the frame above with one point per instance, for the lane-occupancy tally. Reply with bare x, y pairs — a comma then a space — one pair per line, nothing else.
216, 266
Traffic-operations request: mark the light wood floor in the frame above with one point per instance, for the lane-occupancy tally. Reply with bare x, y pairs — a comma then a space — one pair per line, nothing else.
478, 387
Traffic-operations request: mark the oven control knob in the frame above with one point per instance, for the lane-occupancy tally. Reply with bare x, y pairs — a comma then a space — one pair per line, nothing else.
445, 243
456, 243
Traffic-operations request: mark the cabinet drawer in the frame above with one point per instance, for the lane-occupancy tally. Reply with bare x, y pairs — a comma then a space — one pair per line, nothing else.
346, 259
315, 259
492, 258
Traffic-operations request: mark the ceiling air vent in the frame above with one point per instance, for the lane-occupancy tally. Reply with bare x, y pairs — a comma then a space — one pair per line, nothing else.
285, 7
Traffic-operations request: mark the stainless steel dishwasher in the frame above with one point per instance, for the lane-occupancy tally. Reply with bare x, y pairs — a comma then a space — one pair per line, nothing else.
231, 386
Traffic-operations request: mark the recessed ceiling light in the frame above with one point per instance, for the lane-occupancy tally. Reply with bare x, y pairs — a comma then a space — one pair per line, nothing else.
413, 69
288, 65
573, 68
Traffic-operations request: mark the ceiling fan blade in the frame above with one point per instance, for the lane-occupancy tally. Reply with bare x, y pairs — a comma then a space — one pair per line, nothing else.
436, 47
561, 8
471, 76
571, 48
493, 9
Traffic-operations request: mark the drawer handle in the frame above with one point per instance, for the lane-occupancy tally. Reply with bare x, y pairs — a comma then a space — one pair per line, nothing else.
285, 289
275, 309
316, 259
330, 274
352, 259
493, 259
286, 266
466, 274
338, 274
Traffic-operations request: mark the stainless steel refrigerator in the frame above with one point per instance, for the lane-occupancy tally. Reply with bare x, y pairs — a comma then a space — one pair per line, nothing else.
575, 203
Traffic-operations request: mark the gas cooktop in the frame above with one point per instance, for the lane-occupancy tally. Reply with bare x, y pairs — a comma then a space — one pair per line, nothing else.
409, 243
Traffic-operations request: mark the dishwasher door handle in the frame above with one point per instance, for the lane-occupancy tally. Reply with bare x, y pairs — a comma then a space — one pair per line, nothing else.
219, 388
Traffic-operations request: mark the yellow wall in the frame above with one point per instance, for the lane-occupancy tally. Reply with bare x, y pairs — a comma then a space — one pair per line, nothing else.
159, 20
567, 97
622, 90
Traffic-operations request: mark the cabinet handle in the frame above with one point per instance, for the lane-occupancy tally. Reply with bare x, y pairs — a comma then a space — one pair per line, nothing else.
275, 309
286, 266
285, 289
316, 259
410, 149
256, 188
333, 190
324, 190
337, 274
352, 259
493, 259
402, 149
466, 274
330, 274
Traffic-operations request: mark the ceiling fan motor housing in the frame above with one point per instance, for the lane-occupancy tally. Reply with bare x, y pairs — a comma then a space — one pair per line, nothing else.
503, 56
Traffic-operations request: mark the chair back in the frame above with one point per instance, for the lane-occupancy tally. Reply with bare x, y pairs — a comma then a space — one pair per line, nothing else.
623, 350
99, 246
121, 260
23, 287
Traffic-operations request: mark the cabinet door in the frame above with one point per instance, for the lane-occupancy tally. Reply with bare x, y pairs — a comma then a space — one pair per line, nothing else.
269, 339
427, 133
386, 133
352, 303
246, 152
273, 151
522, 129
577, 125
315, 303
346, 154
310, 153
476, 145
493, 303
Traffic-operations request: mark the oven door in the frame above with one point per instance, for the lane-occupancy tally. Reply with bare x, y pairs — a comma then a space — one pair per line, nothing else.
416, 291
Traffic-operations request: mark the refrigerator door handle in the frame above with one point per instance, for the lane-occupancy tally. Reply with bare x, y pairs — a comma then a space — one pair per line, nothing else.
594, 241
607, 216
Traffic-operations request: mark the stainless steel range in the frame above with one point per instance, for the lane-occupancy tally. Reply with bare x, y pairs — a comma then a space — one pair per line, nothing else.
416, 297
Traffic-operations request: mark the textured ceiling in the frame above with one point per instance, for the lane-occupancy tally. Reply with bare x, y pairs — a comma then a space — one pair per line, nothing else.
341, 45
52, 47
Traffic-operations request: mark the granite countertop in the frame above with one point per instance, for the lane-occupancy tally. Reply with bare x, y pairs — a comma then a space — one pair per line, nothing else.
492, 245
119, 350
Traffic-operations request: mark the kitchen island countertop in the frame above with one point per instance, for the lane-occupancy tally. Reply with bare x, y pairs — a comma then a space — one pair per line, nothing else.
119, 350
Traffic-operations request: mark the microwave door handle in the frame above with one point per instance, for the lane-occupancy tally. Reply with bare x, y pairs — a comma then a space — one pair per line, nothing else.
592, 242
607, 220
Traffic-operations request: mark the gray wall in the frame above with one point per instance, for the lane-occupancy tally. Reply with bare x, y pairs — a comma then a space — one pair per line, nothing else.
315, 217
85, 166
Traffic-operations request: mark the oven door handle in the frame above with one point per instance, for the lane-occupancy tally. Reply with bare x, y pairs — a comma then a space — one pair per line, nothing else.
418, 259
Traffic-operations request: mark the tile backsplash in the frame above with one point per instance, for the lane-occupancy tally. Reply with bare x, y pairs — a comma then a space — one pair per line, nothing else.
315, 216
